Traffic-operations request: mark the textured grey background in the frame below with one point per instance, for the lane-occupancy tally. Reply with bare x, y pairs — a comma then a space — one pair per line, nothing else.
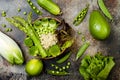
70, 9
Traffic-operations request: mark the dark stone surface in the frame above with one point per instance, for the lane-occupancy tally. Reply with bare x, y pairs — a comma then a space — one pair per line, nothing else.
70, 8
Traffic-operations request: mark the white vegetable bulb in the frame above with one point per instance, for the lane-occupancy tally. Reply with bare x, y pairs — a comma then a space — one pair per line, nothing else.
10, 50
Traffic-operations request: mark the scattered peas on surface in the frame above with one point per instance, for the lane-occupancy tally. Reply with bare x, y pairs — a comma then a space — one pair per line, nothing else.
19, 9
79, 32
3, 25
35, 9
25, 13
3, 14
8, 29
83, 38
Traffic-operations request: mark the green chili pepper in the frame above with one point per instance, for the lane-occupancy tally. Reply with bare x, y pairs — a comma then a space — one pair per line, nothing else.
35, 9
3, 14
79, 18
58, 73
104, 9
64, 58
82, 49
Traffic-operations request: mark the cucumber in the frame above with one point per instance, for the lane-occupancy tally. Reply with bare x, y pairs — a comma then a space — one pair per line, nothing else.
50, 6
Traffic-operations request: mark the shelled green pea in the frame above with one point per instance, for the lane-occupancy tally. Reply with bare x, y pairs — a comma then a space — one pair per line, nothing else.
3, 25
8, 29
19, 9
3, 14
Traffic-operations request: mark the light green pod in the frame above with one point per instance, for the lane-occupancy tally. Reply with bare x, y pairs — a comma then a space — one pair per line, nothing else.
50, 6
104, 9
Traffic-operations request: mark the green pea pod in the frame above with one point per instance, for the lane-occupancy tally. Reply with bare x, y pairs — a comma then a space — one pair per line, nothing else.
79, 18
50, 6
104, 9
35, 9
64, 58
58, 73
82, 50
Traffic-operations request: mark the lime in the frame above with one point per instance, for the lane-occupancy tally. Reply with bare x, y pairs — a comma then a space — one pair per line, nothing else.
34, 67
98, 26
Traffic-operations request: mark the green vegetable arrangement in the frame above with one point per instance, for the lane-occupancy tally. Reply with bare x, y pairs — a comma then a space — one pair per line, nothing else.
42, 36
26, 26
10, 50
97, 67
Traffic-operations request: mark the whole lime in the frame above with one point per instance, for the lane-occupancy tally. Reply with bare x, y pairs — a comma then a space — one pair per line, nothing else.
34, 67
98, 25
